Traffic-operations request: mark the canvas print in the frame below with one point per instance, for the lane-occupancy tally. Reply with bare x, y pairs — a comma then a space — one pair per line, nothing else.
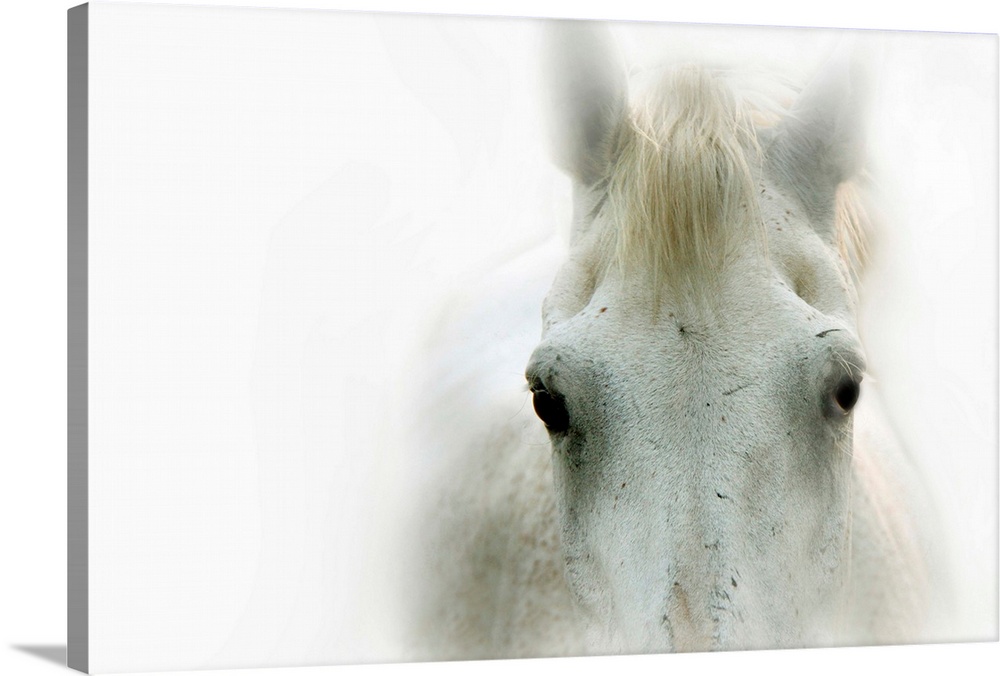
402, 338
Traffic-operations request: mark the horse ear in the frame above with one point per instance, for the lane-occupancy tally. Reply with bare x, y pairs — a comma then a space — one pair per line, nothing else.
821, 142
587, 92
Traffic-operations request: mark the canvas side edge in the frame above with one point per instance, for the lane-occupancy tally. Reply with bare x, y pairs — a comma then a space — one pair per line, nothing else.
77, 649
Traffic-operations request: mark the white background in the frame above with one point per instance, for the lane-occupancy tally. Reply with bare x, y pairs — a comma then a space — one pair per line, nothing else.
33, 596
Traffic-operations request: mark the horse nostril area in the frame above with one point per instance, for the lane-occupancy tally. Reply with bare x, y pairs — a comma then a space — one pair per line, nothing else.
689, 631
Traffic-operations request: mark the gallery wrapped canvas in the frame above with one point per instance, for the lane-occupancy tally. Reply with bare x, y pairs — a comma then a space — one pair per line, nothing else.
399, 337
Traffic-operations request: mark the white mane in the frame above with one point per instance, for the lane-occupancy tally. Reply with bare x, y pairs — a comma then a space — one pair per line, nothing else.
682, 195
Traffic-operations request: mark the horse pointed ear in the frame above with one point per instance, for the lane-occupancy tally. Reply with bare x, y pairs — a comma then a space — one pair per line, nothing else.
821, 142
587, 92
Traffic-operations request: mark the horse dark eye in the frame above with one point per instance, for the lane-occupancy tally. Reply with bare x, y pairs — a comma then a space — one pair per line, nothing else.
847, 393
551, 409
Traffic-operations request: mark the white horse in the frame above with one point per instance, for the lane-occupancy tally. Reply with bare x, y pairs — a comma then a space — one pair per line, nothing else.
709, 471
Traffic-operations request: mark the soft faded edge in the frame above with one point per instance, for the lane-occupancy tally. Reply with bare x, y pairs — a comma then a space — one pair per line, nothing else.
77, 653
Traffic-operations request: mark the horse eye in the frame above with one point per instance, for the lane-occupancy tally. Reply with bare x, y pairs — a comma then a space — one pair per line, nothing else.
551, 409
846, 394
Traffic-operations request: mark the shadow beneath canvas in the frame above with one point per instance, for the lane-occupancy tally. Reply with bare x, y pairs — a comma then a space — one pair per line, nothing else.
50, 653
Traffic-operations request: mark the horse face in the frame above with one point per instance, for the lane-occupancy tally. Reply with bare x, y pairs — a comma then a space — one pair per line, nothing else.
701, 441
701, 464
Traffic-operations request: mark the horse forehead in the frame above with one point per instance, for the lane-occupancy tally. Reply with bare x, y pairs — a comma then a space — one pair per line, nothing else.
754, 302
749, 323
749, 301
753, 290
